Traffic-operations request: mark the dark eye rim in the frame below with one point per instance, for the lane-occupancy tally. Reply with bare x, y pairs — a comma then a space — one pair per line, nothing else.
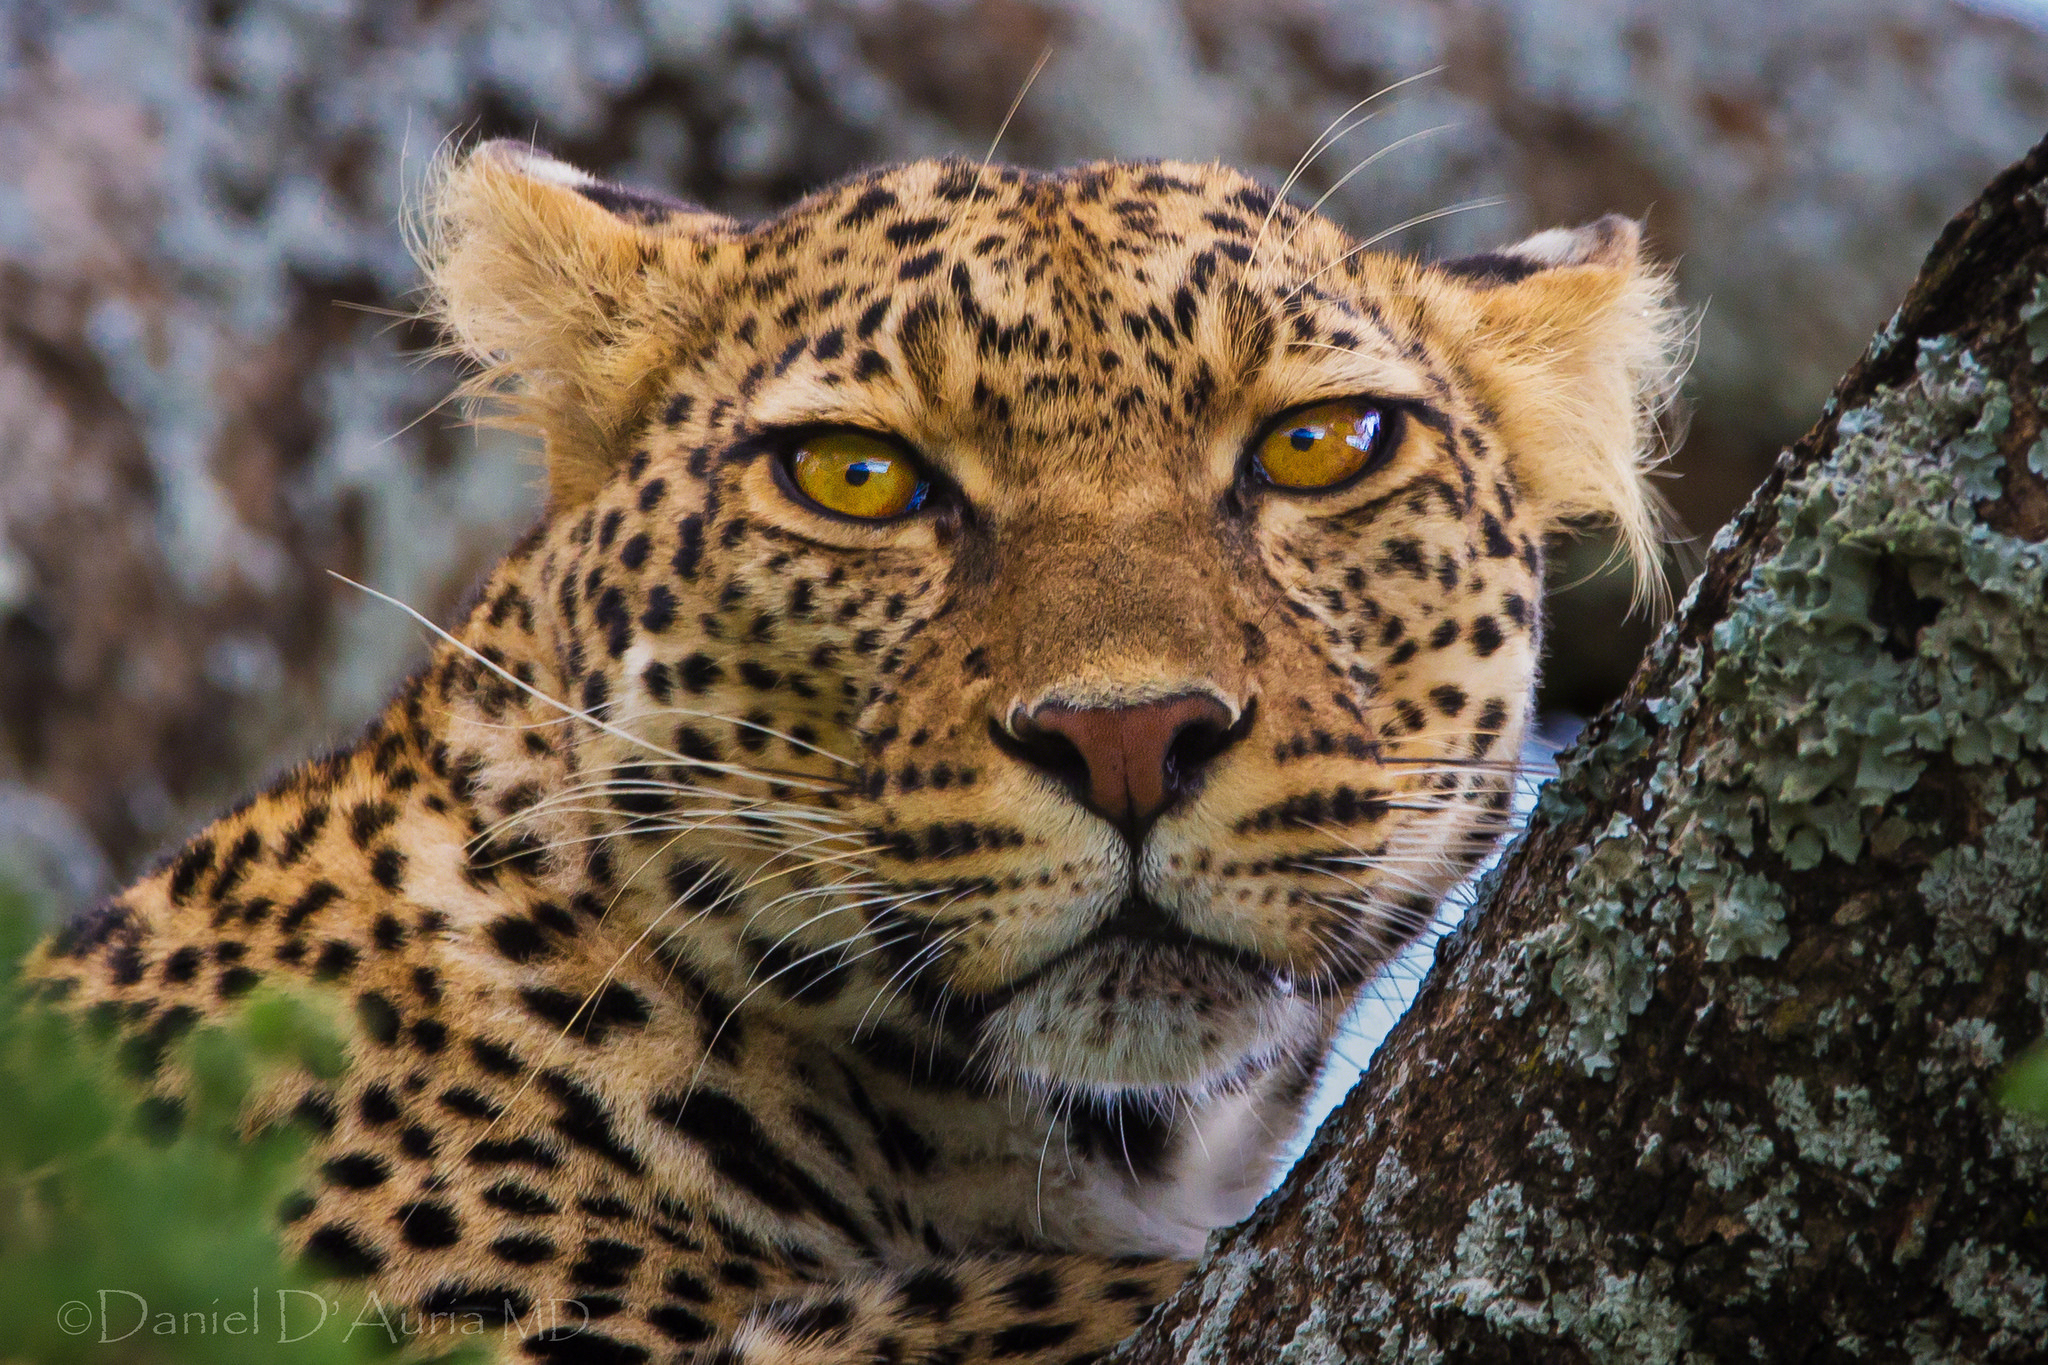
1393, 427
784, 443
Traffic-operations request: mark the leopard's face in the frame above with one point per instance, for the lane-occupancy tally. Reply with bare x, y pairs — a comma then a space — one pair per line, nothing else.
1076, 627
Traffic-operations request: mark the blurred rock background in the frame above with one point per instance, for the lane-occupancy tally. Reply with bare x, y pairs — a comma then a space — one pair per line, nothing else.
209, 397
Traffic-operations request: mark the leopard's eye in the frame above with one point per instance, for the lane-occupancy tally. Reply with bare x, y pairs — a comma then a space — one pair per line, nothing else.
857, 475
1323, 445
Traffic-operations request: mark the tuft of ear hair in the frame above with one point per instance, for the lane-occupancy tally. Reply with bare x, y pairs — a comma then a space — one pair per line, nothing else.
1581, 347
568, 293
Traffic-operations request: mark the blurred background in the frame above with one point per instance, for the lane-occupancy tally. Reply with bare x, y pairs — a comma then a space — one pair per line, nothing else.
206, 402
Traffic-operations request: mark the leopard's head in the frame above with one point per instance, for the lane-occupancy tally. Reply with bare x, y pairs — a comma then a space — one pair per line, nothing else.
1066, 630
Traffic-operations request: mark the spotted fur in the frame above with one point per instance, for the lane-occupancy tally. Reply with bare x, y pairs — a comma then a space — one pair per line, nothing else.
717, 965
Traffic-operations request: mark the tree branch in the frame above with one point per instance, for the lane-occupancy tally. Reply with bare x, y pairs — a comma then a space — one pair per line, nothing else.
1708, 1075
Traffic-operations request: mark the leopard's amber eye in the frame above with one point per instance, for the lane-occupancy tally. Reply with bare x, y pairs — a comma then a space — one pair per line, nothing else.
857, 475
1322, 445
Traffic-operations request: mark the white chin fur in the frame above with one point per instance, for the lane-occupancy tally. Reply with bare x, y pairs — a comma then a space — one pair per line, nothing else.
1143, 1016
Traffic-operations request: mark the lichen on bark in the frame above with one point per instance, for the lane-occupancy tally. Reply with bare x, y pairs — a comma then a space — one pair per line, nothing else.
1709, 1074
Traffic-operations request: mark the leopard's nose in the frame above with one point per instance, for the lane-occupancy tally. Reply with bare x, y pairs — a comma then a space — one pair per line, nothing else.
1127, 763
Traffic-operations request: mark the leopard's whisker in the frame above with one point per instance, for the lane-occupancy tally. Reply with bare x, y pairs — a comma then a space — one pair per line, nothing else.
741, 834
1057, 1123
640, 775
1015, 105
1323, 142
576, 712
742, 816
1346, 178
758, 911
931, 951
1333, 133
762, 774
1417, 221
711, 1043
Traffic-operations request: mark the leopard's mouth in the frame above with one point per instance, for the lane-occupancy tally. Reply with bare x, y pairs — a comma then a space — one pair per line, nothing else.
1139, 928
1142, 1001
1139, 921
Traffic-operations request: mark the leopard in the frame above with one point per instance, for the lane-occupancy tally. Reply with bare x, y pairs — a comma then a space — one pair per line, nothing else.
1008, 657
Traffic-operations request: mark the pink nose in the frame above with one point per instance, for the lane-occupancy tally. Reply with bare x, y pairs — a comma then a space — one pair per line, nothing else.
1127, 763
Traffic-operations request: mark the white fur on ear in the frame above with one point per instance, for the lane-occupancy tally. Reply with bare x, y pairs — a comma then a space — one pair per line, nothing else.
1613, 240
521, 159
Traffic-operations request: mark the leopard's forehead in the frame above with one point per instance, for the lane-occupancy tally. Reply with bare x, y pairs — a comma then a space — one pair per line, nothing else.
1040, 232
1107, 320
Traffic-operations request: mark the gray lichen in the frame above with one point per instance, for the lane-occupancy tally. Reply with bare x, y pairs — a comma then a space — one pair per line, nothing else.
1501, 1276
1595, 964
1981, 892
1851, 1142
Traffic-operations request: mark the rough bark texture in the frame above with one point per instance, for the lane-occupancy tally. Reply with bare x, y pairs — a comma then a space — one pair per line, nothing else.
1706, 1077
198, 200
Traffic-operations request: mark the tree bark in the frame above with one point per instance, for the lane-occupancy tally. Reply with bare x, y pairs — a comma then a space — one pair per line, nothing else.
1708, 1074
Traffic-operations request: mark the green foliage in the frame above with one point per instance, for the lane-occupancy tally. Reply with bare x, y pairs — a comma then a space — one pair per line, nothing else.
143, 1230
2024, 1087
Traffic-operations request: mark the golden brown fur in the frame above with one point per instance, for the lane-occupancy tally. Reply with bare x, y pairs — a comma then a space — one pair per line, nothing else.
723, 961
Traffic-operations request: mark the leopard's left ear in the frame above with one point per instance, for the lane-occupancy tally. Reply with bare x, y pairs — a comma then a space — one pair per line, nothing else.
1578, 345
569, 293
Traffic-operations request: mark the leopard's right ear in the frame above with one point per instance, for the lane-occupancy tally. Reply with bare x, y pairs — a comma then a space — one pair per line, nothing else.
1574, 339
569, 293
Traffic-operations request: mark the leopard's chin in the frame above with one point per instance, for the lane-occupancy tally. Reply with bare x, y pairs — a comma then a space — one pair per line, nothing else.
1120, 1013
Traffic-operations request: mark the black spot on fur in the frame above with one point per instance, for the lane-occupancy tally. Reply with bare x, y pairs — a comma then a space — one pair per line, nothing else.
311, 901
930, 1293
1489, 268
337, 959
235, 865
356, 1171
191, 865
1029, 1338
377, 1106
1034, 1291
679, 1324
336, 1250
689, 547
471, 1104
584, 1120
524, 1248
496, 1305
524, 1200
606, 1263
387, 869
589, 1021
866, 208
919, 266
429, 1224
1498, 546
575, 1344
517, 938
